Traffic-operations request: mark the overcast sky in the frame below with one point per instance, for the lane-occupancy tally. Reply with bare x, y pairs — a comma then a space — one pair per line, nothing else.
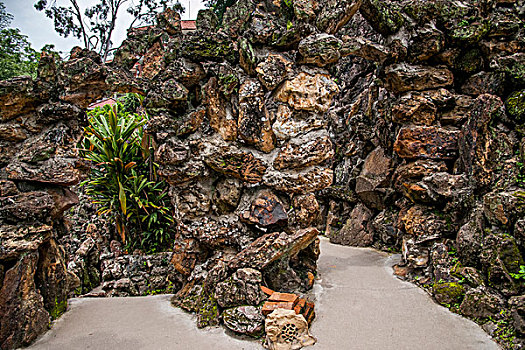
40, 29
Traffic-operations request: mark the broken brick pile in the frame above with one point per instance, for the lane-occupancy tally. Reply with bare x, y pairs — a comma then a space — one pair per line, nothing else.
288, 301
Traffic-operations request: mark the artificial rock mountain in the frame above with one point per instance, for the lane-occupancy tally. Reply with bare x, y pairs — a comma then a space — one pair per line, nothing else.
394, 124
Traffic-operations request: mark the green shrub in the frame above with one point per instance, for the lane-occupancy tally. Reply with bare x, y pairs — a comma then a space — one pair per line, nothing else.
122, 181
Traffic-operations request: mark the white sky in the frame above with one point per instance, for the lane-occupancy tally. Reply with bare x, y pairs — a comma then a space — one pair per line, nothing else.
40, 29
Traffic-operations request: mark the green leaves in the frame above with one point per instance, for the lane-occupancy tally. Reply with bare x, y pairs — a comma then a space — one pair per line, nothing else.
122, 176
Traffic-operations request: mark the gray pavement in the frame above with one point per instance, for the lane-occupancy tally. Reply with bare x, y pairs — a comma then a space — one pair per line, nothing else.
359, 304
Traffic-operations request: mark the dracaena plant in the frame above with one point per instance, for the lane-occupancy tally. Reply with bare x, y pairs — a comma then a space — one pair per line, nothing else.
122, 181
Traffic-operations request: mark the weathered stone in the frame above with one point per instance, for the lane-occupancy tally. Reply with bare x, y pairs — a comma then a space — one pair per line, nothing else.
517, 309
192, 202
242, 288
17, 97
427, 42
266, 211
355, 231
28, 206
414, 254
237, 16
227, 195
286, 330
320, 49
479, 302
448, 293
503, 208
21, 305
310, 180
385, 17
499, 258
49, 158
213, 234
308, 92
19, 239
220, 116
186, 252
241, 165
414, 108
245, 320
403, 77
186, 72
172, 152
476, 145
304, 151
374, 178
427, 142
169, 20
254, 126
515, 105
421, 222
484, 83
365, 48
289, 124
513, 66
382, 227
212, 46
58, 111
469, 241
273, 70
207, 20
272, 247
306, 209
335, 14
52, 278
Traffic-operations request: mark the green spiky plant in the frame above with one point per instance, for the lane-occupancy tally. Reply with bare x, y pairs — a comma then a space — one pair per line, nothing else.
122, 182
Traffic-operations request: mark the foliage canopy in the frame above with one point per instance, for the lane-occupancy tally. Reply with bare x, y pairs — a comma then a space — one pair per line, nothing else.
95, 25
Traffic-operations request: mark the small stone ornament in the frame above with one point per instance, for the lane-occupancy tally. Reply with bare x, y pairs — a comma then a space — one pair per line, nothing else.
285, 330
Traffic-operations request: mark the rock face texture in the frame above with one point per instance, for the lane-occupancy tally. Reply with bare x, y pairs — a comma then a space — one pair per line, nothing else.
394, 124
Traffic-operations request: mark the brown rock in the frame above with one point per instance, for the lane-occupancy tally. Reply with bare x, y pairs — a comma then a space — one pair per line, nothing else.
153, 61
17, 97
307, 181
355, 232
374, 177
21, 305
220, 116
289, 124
241, 165
254, 123
481, 303
52, 277
484, 83
306, 209
273, 70
320, 49
17, 240
266, 210
12, 132
362, 47
335, 14
308, 92
27, 206
421, 222
186, 252
477, 147
304, 152
427, 142
403, 77
414, 108
272, 247
227, 195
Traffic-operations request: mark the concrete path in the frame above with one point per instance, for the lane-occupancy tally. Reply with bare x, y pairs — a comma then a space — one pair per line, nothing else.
359, 304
